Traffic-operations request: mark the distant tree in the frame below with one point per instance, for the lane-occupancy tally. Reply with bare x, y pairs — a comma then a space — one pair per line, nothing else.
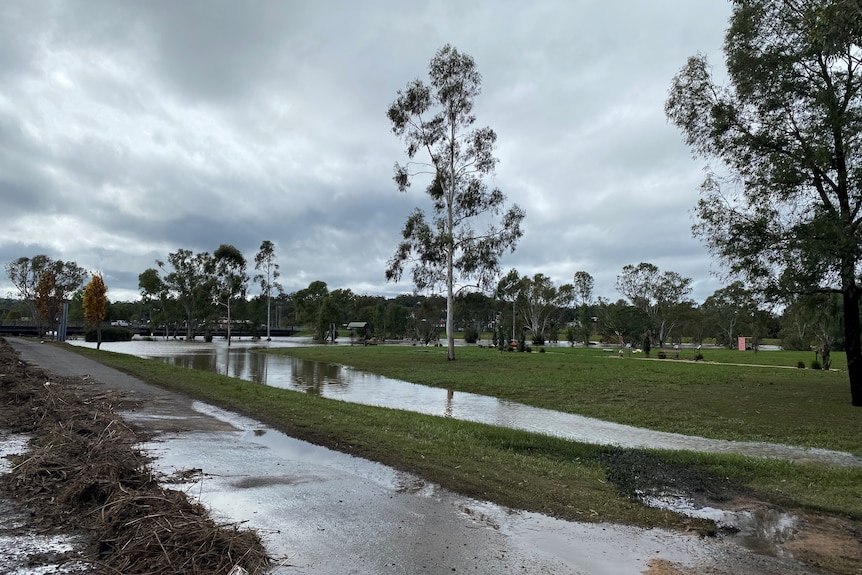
782, 209
48, 299
230, 279
696, 326
309, 303
474, 310
395, 320
583, 285
153, 292
728, 309
328, 320
661, 295
437, 118
812, 322
266, 263
189, 283
57, 282
541, 303
622, 323
507, 292
24, 273
285, 310
95, 300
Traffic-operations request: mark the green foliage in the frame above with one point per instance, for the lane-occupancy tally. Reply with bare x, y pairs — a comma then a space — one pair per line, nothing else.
663, 296
436, 119
189, 285
621, 323
781, 209
471, 334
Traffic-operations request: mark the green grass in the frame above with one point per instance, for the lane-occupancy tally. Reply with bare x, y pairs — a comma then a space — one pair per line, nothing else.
772, 404
515, 468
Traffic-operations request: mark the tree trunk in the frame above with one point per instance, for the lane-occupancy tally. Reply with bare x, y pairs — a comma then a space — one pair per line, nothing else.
268, 316
190, 330
450, 313
228, 323
852, 343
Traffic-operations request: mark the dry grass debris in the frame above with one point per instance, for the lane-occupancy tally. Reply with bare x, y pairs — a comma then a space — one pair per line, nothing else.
84, 473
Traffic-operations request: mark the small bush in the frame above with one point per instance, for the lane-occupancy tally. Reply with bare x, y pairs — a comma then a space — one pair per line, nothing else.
800, 364
815, 364
471, 335
541, 350
698, 356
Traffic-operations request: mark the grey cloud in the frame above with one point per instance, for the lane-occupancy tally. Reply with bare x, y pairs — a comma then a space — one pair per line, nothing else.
191, 124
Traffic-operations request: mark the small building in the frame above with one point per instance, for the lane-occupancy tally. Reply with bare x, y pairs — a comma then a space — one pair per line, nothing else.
354, 326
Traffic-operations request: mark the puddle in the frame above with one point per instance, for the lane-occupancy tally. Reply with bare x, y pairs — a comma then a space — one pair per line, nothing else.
761, 530
347, 384
33, 554
11, 444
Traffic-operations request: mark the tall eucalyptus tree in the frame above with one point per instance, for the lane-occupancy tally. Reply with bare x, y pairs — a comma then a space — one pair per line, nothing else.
461, 242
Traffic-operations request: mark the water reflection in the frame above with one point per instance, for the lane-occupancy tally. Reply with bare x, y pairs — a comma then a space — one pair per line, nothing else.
243, 360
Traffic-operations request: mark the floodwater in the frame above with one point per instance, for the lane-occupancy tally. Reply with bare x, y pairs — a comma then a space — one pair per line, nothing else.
347, 384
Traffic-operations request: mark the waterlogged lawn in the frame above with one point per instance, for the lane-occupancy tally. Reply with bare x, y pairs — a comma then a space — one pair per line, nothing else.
777, 403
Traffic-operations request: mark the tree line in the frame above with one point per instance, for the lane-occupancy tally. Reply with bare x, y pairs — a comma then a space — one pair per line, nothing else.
191, 294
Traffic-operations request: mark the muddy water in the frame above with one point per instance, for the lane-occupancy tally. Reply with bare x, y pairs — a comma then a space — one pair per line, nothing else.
346, 384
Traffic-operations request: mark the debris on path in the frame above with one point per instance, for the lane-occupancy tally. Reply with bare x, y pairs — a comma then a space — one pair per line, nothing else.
83, 475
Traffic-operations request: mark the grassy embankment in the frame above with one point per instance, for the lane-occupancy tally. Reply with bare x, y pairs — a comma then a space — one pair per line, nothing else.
555, 476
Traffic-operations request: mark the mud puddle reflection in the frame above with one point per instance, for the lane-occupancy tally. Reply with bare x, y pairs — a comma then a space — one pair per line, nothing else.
762, 530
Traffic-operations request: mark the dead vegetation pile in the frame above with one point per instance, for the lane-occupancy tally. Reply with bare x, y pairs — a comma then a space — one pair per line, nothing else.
83, 473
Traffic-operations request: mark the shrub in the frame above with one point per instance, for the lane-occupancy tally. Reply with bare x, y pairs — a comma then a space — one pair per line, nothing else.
815, 364
800, 364
698, 356
471, 334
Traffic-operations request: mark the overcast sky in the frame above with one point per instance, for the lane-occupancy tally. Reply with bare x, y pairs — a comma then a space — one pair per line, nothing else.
129, 130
